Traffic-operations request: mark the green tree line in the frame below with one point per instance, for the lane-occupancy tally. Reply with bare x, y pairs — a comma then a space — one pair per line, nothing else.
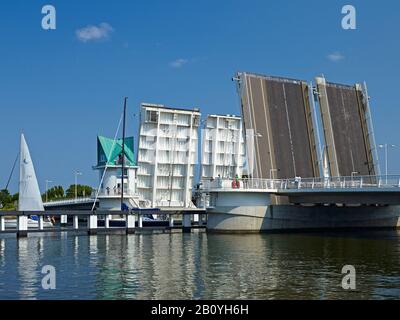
10, 202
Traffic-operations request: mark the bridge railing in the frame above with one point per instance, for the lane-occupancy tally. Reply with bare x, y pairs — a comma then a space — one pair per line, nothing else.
343, 182
68, 201
112, 192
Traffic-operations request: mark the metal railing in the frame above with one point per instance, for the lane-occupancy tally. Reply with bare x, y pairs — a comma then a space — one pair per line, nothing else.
103, 192
344, 182
112, 192
68, 201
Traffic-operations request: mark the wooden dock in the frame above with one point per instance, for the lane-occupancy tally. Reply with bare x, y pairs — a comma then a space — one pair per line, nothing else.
133, 220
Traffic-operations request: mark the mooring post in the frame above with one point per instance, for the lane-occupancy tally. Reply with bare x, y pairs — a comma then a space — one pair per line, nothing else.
201, 219
186, 222
63, 220
92, 224
22, 226
40, 222
2, 223
107, 218
130, 223
76, 222
140, 221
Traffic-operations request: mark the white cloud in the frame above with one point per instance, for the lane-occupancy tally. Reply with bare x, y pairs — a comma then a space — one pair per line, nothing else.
178, 63
335, 56
92, 33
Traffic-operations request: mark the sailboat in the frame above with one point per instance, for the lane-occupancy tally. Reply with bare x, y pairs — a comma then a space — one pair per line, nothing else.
29, 193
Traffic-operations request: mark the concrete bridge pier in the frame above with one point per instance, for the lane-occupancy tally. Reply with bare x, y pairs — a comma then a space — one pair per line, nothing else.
2, 224
92, 224
76, 222
130, 223
107, 219
22, 226
202, 220
63, 220
186, 223
40, 222
140, 221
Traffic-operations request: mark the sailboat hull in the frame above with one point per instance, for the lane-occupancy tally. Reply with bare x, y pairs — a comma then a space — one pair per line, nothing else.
32, 224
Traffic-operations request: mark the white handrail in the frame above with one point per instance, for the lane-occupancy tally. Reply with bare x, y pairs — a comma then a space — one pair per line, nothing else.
343, 182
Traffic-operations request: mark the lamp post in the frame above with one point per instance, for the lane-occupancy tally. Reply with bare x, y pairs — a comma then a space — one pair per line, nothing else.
47, 187
77, 173
385, 146
251, 149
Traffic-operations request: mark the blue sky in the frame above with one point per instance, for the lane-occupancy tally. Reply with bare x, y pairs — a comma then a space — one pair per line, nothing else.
62, 87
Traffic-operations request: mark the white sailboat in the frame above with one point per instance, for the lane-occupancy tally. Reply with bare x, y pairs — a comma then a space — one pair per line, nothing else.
29, 193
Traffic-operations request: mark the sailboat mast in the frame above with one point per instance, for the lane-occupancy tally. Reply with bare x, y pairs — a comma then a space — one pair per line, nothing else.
123, 157
12, 171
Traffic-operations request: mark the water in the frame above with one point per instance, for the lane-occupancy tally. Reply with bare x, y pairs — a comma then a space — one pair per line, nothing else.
201, 266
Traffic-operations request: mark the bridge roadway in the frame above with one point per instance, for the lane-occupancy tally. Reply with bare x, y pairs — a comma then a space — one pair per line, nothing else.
71, 204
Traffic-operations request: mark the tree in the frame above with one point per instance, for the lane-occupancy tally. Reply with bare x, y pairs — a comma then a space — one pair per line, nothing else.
8, 201
54, 193
15, 197
5, 197
82, 191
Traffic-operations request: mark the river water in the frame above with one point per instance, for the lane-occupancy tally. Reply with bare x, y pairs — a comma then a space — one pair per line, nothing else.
201, 266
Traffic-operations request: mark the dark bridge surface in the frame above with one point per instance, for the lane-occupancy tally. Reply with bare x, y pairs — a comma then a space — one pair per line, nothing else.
277, 112
344, 113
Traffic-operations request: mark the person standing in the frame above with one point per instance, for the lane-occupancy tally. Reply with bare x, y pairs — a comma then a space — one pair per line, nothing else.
245, 181
219, 181
237, 182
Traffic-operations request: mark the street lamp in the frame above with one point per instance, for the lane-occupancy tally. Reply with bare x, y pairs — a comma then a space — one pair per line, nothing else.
77, 173
385, 146
250, 145
47, 187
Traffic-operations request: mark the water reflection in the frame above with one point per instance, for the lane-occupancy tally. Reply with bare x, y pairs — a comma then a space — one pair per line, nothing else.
27, 268
75, 249
201, 266
2, 252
